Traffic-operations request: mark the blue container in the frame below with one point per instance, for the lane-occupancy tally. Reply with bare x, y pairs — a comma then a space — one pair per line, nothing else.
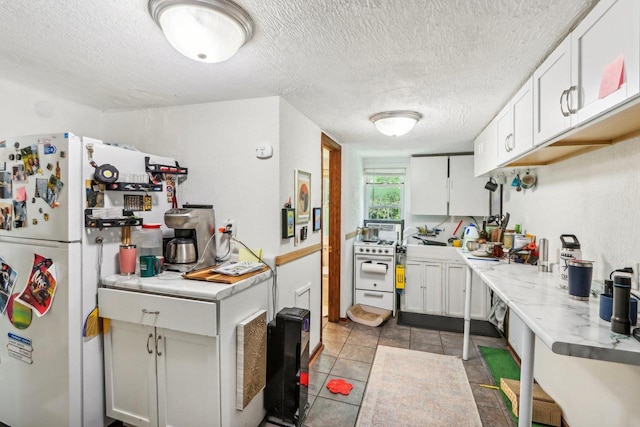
606, 308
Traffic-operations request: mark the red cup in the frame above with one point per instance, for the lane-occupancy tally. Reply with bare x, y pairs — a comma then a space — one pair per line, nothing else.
127, 257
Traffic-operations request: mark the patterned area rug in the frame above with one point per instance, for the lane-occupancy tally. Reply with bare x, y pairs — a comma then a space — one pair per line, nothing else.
414, 388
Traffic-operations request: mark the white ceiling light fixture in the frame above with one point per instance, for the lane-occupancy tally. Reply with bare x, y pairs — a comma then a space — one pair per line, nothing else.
395, 123
203, 30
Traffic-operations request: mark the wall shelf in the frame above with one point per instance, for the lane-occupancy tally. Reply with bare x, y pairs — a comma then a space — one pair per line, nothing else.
134, 186
126, 220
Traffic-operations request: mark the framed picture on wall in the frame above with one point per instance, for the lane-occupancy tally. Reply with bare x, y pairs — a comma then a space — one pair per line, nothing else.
317, 219
288, 223
302, 196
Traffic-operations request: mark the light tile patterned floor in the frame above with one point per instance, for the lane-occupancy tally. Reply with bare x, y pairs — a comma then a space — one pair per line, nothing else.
348, 353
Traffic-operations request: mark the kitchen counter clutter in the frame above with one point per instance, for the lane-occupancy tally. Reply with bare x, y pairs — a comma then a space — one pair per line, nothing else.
567, 326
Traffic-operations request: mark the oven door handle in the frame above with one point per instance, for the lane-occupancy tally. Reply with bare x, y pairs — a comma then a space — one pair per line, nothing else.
372, 260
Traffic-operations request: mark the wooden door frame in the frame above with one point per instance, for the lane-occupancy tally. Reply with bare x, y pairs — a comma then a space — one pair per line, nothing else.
335, 220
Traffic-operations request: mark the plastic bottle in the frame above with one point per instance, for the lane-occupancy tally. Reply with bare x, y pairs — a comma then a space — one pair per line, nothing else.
148, 239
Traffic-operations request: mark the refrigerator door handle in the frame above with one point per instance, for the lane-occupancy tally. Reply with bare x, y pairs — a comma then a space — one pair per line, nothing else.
145, 311
158, 352
148, 348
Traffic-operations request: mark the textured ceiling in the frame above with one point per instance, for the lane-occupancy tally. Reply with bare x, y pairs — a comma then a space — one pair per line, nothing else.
337, 61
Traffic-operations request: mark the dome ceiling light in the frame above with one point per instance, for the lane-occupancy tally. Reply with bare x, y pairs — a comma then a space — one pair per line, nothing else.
203, 30
395, 123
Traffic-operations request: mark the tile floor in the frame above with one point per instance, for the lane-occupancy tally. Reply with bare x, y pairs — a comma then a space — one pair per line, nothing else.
349, 349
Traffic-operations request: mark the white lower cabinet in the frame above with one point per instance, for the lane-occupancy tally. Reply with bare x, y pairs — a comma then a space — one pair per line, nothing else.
423, 287
455, 293
160, 377
162, 359
438, 287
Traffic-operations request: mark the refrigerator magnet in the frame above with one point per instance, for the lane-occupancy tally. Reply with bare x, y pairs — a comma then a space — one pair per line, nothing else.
41, 287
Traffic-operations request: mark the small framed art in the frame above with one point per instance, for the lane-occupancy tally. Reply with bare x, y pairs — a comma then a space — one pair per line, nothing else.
288, 222
303, 196
317, 219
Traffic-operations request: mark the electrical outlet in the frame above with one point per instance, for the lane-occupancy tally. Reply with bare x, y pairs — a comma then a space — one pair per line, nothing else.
230, 225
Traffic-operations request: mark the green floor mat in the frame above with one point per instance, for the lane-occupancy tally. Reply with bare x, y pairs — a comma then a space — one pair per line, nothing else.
502, 365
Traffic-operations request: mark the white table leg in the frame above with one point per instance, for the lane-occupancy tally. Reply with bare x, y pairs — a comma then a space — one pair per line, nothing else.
467, 314
526, 377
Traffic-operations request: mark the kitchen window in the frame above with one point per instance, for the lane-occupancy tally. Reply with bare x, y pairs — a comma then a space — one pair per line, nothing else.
384, 193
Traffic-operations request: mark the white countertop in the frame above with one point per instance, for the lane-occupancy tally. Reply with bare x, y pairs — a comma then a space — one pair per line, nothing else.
567, 326
172, 283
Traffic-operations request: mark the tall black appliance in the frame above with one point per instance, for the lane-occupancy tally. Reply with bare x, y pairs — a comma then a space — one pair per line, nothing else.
286, 392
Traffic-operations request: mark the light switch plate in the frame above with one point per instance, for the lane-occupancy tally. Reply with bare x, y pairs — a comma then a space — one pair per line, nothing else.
264, 151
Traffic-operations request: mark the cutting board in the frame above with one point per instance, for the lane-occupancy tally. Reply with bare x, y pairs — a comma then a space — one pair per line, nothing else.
205, 274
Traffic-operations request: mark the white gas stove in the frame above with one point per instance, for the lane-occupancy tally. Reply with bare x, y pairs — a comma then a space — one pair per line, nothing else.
374, 271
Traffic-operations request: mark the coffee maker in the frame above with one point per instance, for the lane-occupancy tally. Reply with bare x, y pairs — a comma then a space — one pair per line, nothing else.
193, 244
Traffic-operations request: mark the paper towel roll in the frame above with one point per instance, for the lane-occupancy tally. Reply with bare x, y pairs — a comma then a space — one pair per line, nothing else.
370, 267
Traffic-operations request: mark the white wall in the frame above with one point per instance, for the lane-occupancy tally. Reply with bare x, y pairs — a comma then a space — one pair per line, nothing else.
594, 196
217, 142
352, 215
301, 147
26, 111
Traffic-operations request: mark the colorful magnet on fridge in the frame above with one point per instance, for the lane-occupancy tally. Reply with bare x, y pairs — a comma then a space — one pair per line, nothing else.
46, 217
18, 156
63, 154
16, 145
49, 166
50, 149
19, 314
34, 221
39, 171
12, 157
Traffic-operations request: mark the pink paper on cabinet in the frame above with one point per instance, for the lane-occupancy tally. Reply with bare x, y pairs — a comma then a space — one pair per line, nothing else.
612, 77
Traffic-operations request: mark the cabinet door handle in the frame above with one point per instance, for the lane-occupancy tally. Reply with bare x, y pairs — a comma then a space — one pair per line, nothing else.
564, 92
511, 144
149, 339
366, 294
571, 110
158, 352
506, 143
145, 311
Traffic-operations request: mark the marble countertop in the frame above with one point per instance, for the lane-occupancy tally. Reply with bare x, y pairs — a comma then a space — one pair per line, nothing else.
567, 326
172, 283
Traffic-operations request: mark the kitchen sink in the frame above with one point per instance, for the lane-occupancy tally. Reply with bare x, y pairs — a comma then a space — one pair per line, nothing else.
432, 252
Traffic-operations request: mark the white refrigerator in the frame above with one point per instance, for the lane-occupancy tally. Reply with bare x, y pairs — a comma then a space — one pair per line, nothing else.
59, 229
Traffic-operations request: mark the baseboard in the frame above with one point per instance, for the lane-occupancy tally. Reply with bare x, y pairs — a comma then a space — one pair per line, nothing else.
447, 324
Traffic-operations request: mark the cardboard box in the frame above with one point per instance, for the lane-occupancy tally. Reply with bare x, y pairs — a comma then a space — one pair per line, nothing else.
545, 409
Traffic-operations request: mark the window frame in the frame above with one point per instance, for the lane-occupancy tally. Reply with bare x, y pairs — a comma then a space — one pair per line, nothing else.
368, 185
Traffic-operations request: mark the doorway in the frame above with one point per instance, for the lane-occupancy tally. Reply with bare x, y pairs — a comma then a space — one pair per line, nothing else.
331, 218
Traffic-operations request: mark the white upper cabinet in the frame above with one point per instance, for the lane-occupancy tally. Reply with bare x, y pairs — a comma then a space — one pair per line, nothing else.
429, 185
607, 39
551, 83
442, 185
485, 150
515, 125
467, 195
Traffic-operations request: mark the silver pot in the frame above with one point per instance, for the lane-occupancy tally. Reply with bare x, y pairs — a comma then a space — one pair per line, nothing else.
369, 234
181, 251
